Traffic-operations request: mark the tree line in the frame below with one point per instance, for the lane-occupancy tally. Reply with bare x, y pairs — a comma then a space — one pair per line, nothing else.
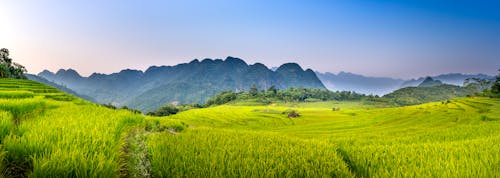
286, 95
8, 68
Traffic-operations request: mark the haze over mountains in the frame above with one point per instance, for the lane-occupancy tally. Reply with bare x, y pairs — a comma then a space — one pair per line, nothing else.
184, 83
344, 81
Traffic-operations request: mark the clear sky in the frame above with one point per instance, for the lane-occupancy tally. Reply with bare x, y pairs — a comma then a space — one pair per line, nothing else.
402, 39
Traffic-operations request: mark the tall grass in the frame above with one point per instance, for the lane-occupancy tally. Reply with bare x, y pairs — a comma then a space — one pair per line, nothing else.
61, 137
46, 133
86, 143
441, 139
16, 94
206, 152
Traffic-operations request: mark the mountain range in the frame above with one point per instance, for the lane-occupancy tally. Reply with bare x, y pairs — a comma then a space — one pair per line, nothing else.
196, 81
344, 81
191, 82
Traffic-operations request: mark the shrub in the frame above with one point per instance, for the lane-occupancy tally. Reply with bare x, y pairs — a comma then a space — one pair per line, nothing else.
164, 111
291, 113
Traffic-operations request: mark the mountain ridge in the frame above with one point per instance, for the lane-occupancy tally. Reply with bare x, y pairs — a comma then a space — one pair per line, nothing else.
346, 81
190, 82
430, 82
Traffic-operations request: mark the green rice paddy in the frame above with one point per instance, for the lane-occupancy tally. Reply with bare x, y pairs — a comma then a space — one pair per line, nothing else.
47, 133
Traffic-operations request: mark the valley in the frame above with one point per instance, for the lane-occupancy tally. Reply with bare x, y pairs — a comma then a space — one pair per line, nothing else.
249, 89
47, 133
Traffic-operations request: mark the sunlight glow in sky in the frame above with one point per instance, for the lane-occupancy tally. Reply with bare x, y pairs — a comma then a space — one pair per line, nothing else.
402, 39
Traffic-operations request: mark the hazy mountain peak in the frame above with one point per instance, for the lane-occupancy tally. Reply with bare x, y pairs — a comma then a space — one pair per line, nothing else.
194, 61
235, 61
344, 73
46, 73
131, 71
290, 67
207, 61
96, 75
346, 81
429, 82
155, 68
259, 65
231, 58
68, 73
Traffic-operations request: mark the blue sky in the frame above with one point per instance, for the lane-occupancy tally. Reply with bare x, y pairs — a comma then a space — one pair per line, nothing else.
402, 39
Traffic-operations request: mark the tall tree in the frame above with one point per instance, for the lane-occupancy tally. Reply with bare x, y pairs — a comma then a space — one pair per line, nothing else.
9, 69
495, 89
253, 91
273, 90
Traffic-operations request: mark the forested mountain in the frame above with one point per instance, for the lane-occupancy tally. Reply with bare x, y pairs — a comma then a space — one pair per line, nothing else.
428, 91
429, 82
190, 82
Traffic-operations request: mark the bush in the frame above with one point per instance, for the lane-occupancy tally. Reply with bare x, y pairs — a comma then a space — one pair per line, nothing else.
291, 113
164, 111
155, 126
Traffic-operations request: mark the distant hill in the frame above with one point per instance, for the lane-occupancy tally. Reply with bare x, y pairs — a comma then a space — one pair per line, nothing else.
428, 91
429, 82
345, 81
195, 81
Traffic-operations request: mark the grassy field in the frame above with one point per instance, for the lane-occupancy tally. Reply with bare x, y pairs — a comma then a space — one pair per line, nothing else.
458, 138
46, 133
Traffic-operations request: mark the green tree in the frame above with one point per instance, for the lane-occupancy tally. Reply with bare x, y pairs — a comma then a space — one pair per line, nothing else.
9, 69
165, 111
495, 89
253, 91
272, 91
479, 84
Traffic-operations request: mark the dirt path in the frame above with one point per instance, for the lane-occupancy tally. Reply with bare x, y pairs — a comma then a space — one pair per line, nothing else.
136, 162
353, 168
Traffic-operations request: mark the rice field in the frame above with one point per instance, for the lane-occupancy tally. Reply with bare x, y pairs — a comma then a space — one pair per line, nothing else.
458, 138
47, 136
47, 133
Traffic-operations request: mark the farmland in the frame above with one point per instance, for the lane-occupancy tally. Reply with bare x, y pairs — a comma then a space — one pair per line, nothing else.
443, 139
47, 133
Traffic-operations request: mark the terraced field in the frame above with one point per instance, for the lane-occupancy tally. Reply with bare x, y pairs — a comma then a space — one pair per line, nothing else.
46, 133
458, 138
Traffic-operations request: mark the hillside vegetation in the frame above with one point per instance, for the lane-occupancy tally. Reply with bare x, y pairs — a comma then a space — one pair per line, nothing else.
450, 139
401, 97
47, 133
423, 94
